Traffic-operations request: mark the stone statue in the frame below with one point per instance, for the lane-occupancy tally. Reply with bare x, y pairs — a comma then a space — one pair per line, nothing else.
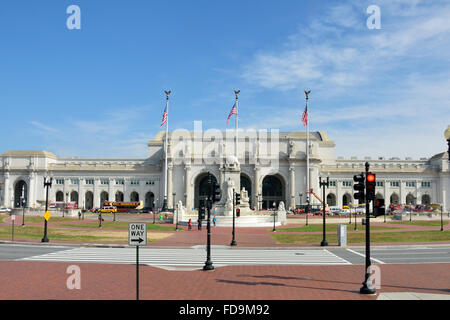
230, 190
281, 206
291, 148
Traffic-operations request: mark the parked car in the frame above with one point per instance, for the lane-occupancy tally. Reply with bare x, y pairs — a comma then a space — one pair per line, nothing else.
7, 210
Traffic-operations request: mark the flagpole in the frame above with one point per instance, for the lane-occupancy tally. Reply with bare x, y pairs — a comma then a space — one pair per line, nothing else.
236, 144
166, 148
307, 151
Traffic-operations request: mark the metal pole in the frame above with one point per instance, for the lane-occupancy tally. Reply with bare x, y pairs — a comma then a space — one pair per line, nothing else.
367, 287
324, 242
233, 241
46, 185
166, 148
236, 92
442, 221
274, 205
23, 212
208, 264
12, 219
307, 210
137, 272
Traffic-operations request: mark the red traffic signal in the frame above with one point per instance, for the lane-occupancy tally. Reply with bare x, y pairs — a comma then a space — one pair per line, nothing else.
370, 177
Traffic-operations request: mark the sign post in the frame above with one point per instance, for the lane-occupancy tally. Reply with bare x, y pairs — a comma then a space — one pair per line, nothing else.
137, 236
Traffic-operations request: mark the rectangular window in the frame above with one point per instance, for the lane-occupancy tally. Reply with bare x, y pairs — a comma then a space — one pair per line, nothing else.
104, 181
332, 183
380, 184
59, 181
426, 184
89, 181
120, 182
410, 183
74, 181
347, 183
149, 183
135, 182
395, 183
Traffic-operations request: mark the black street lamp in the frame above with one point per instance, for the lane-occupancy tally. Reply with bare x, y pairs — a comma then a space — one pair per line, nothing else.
442, 221
355, 217
324, 184
154, 212
47, 184
23, 212
208, 264
307, 210
233, 241
66, 204
274, 213
300, 194
175, 211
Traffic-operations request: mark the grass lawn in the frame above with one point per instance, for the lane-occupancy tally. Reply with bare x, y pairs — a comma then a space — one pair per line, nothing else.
384, 237
434, 223
331, 228
74, 235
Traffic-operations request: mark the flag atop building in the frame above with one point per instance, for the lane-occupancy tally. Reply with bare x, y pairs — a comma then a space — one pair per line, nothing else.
233, 111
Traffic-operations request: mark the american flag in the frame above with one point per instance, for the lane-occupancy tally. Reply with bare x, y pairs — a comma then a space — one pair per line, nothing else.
305, 116
233, 111
164, 119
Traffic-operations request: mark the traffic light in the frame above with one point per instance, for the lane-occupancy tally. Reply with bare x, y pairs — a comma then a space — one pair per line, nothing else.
201, 212
360, 187
370, 186
217, 192
379, 209
238, 198
238, 212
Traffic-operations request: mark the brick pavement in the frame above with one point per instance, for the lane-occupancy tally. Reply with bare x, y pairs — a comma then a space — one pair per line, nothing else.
27, 280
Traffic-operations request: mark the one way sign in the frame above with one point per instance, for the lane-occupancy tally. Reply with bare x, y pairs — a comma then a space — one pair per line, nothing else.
137, 234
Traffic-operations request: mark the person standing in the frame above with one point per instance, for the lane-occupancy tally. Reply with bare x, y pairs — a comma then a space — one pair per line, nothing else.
214, 221
190, 224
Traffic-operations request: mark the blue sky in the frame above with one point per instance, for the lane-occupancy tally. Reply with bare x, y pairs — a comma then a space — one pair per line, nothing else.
99, 91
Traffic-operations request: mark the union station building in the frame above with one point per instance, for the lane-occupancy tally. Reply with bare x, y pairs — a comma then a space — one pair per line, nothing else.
272, 169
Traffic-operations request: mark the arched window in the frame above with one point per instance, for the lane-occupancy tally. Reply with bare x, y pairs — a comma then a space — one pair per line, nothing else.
134, 196
426, 199
59, 196
331, 199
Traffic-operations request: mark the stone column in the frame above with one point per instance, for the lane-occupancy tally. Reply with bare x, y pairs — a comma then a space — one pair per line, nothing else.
170, 203
6, 196
292, 185
110, 190
257, 188
187, 188
31, 197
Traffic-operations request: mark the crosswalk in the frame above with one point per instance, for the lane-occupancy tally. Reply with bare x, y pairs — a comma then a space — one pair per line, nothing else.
191, 257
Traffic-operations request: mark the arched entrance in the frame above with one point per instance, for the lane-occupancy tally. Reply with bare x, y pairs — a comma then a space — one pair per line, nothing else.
119, 196
74, 197
134, 196
20, 190
331, 199
103, 198
202, 188
426, 199
149, 198
410, 199
59, 196
89, 200
394, 198
247, 184
346, 199
272, 191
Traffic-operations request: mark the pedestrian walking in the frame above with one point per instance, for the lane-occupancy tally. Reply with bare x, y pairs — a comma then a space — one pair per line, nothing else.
190, 224
160, 218
214, 221
199, 224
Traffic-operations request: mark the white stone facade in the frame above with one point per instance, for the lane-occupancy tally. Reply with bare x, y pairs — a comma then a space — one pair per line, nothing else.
272, 169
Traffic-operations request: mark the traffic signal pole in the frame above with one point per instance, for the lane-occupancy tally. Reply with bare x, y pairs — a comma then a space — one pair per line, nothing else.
367, 287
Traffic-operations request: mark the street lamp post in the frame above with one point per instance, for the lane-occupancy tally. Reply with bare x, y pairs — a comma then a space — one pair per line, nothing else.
274, 213
23, 212
208, 264
259, 201
442, 221
154, 212
233, 241
324, 184
175, 211
47, 184
307, 210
